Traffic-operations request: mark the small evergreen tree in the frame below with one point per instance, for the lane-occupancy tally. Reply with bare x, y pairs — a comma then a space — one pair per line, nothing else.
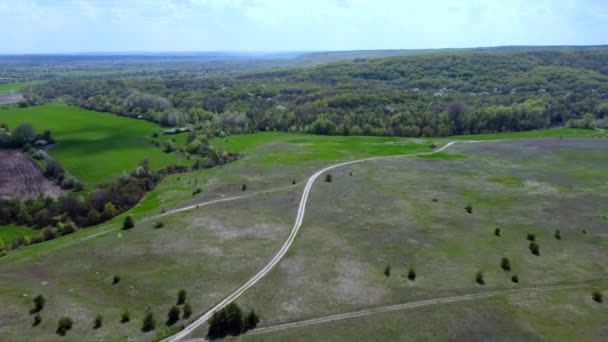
534, 248
293, 182
125, 316
479, 278
505, 264
387, 270
37, 320
515, 278
148, 323
173, 315
557, 234
497, 231
39, 302
128, 223
187, 311
411, 274
252, 320
469, 208
115, 280
328, 178
64, 325
597, 296
181, 297
98, 321
531, 237
244, 187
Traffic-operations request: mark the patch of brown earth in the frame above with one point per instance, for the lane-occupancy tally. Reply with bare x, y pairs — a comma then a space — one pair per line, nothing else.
21, 178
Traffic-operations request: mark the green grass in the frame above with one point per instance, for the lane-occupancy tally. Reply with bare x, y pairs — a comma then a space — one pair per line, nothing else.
17, 87
541, 133
95, 147
444, 156
11, 233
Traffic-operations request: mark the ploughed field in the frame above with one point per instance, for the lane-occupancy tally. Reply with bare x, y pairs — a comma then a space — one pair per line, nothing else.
22, 178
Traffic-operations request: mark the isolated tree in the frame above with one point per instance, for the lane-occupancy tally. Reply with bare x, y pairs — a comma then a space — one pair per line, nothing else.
411, 274
187, 311
252, 320
109, 211
115, 280
244, 187
128, 223
39, 302
125, 316
505, 264
98, 321
497, 231
181, 297
531, 237
293, 182
387, 270
534, 248
328, 178
515, 278
479, 278
64, 325
557, 234
597, 296
172, 315
37, 320
469, 208
148, 323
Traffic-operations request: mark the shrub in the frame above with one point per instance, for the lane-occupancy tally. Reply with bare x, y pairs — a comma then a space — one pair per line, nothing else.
597, 296
115, 280
125, 316
228, 321
515, 278
37, 320
328, 178
505, 264
128, 223
252, 320
64, 325
244, 187
531, 237
411, 274
479, 278
557, 234
433, 146
293, 182
187, 311
159, 224
534, 248
469, 208
39, 302
173, 315
148, 323
98, 321
181, 297
196, 191
497, 231
387, 270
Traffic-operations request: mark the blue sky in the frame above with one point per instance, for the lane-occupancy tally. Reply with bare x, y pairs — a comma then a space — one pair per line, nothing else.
39, 26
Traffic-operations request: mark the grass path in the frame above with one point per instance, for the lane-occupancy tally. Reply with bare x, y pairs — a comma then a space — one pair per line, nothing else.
281, 253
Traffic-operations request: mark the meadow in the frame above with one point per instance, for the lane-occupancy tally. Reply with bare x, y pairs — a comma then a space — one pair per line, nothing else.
94, 147
17, 87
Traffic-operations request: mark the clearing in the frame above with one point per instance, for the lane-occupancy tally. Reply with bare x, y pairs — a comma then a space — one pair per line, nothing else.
22, 178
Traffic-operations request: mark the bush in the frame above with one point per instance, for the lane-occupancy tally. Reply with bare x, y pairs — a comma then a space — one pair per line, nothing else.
479, 278
228, 321
433, 146
387, 271
557, 234
597, 296
125, 316
148, 323
505, 264
469, 208
98, 321
181, 297
196, 191
328, 178
251, 321
534, 248
531, 237
173, 315
411, 274
187, 311
115, 280
515, 278
64, 325
244, 187
37, 320
159, 224
39, 302
128, 223
293, 182
497, 231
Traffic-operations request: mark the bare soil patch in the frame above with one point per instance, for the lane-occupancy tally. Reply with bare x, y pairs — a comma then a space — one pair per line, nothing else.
21, 178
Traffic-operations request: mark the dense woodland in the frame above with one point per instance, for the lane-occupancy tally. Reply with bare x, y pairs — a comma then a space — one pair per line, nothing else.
436, 94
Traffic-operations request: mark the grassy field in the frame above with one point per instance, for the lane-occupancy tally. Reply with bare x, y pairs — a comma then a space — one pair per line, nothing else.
410, 213
95, 147
11, 233
17, 87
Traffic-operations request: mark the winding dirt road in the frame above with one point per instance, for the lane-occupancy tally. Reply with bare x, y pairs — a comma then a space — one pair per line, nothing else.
281, 253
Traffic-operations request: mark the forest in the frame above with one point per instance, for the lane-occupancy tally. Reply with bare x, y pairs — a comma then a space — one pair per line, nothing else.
436, 94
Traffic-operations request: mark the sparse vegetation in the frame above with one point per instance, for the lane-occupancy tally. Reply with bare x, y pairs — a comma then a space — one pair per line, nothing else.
37, 320
148, 323
64, 325
173, 315
98, 321
125, 316
187, 311
39, 302
181, 297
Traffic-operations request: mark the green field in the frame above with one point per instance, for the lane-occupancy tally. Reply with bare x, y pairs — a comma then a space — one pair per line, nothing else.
17, 87
10, 233
94, 147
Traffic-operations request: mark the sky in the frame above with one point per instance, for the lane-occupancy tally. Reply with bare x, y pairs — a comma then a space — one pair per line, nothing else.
56, 26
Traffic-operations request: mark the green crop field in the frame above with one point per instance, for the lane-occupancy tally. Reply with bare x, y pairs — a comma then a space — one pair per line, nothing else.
16, 87
94, 147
